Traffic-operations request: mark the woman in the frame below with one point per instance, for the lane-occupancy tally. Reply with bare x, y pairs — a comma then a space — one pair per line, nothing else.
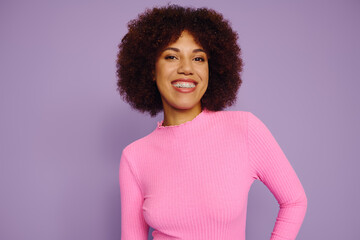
190, 177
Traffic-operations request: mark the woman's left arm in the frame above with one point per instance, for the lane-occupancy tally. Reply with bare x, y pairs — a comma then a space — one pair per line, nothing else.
270, 165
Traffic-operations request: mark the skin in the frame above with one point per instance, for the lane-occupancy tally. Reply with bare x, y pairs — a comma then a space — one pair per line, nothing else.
184, 59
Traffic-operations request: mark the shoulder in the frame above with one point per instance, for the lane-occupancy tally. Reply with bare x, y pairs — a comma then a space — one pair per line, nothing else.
138, 146
231, 116
240, 117
227, 121
136, 153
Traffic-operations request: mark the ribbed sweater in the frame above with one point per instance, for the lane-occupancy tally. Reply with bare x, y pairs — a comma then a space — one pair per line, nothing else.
191, 181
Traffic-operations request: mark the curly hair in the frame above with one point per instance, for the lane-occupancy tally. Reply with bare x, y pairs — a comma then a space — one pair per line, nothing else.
158, 27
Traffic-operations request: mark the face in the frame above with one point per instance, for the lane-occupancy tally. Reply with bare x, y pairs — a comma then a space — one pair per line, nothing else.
182, 73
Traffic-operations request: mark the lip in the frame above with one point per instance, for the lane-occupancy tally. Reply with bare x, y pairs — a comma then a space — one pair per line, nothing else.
184, 90
184, 80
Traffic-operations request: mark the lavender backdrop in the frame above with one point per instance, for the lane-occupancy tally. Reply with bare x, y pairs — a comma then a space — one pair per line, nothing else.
63, 125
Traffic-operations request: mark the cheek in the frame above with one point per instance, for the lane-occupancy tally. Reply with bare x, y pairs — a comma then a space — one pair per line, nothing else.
162, 71
205, 71
206, 80
205, 75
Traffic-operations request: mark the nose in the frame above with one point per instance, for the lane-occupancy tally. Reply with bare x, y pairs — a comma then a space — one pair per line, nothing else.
185, 67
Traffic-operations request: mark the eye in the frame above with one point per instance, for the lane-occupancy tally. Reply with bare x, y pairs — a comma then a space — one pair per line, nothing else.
199, 59
170, 57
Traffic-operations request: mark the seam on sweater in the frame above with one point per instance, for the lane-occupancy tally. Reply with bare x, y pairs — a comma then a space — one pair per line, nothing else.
134, 174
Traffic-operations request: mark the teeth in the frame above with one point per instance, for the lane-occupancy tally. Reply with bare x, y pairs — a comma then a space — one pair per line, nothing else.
184, 84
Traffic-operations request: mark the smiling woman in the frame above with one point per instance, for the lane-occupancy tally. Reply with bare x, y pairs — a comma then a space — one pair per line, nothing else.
182, 75
190, 177
154, 34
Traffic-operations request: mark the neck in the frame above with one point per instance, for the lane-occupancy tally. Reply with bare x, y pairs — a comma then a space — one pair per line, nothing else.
178, 116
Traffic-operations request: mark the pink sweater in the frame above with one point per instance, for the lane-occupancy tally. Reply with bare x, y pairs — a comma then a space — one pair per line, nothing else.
191, 181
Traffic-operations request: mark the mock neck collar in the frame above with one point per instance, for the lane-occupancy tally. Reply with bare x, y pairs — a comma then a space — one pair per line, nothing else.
182, 125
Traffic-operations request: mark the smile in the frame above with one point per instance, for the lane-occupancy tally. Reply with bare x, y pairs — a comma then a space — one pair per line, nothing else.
184, 85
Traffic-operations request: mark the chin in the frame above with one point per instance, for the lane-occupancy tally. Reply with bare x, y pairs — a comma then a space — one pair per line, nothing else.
181, 103
184, 106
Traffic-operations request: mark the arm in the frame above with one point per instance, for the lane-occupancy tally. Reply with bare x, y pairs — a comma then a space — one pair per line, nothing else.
269, 164
133, 225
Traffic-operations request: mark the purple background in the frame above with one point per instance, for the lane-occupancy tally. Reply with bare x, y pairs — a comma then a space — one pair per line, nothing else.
63, 125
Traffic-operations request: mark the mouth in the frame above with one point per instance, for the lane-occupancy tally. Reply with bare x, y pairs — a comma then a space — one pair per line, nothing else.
184, 83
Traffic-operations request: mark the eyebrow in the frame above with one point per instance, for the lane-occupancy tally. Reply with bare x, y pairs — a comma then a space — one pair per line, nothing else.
178, 50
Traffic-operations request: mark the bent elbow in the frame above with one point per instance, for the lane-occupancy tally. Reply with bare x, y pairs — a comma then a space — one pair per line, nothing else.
301, 201
305, 203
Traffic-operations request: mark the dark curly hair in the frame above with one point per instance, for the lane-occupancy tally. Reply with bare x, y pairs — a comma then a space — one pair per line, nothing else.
156, 28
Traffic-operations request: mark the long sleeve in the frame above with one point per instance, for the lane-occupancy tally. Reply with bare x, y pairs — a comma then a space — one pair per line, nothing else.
270, 165
133, 225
